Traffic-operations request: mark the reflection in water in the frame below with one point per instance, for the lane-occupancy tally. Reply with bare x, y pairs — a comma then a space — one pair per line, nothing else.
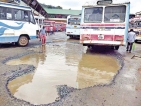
96, 69
60, 65
15, 84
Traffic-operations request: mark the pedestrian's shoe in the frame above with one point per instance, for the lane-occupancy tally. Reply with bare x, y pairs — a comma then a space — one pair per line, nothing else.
129, 51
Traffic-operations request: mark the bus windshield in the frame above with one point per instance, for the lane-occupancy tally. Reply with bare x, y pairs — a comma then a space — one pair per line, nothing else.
74, 21
114, 14
47, 23
93, 14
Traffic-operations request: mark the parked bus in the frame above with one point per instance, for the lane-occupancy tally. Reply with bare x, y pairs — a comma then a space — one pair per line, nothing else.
39, 21
60, 26
105, 23
73, 26
135, 24
49, 24
17, 24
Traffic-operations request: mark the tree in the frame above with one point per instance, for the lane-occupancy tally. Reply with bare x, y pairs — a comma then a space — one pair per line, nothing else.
51, 6
59, 7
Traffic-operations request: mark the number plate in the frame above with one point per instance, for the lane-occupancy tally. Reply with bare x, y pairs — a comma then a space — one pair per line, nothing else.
75, 26
100, 37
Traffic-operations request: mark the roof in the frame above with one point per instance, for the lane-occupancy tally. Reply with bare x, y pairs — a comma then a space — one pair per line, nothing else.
62, 11
10, 5
114, 2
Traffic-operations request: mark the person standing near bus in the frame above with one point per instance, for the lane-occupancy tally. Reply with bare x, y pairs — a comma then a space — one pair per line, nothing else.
51, 30
130, 40
43, 35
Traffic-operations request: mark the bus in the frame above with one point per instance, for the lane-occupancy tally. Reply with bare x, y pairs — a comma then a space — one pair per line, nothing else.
135, 24
39, 21
105, 23
17, 24
60, 26
49, 24
73, 26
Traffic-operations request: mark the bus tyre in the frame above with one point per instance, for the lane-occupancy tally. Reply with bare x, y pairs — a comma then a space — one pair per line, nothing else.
112, 47
23, 41
116, 47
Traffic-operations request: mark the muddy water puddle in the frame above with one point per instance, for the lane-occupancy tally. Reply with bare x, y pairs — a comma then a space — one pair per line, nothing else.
60, 65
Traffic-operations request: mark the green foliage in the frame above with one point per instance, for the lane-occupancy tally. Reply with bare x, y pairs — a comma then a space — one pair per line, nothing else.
51, 7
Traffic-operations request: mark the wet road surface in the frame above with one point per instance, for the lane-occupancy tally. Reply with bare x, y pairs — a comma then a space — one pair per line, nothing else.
63, 63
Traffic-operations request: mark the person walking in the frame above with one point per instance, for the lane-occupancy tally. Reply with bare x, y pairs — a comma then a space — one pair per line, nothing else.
130, 40
43, 35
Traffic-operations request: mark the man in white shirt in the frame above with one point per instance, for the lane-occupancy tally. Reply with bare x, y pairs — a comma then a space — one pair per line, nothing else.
130, 40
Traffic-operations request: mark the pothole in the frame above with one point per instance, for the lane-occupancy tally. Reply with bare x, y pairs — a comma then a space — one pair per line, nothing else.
61, 65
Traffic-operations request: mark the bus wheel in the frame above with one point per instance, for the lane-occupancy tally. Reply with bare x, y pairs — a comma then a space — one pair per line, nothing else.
136, 41
112, 47
23, 41
116, 47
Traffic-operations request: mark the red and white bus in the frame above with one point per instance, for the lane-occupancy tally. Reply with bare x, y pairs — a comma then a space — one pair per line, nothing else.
105, 23
60, 26
49, 24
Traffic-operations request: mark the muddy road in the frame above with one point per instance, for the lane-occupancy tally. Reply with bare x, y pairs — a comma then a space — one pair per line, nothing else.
68, 74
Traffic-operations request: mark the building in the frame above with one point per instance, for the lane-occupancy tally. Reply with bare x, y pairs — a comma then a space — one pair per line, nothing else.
36, 7
60, 15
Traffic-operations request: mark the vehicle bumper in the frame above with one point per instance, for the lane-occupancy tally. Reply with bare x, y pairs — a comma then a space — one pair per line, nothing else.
138, 38
93, 42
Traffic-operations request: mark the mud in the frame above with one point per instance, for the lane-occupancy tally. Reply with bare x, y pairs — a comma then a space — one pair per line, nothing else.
61, 65
123, 90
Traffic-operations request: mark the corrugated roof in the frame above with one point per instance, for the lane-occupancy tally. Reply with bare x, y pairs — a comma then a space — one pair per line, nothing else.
62, 11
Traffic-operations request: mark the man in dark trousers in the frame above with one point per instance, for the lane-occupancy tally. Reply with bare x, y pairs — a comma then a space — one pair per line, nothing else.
130, 40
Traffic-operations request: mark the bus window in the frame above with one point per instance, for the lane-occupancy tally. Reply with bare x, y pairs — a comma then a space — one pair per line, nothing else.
37, 20
18, 14
115, 14
32, 18
8, 13
40, 21
25, 16
2, 13
21, 15
93, 14
47, 23
74, 21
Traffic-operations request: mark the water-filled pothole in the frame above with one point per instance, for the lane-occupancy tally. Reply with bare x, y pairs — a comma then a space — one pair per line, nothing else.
61, 65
